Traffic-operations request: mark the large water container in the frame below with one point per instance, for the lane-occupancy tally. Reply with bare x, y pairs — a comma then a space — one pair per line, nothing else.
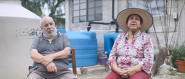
85, 45
109, 40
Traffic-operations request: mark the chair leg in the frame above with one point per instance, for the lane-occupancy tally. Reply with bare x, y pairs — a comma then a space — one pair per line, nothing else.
74, 62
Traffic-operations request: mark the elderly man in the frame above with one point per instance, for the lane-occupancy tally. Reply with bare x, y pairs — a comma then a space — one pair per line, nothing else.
50, 51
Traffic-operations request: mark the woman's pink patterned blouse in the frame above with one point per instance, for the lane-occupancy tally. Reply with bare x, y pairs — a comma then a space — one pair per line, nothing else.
139, 51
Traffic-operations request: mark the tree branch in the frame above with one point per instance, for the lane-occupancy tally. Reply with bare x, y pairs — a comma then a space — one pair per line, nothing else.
54, 9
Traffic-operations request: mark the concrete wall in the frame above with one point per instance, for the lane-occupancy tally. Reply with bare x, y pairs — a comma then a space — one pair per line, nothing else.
98, 28
181, 24
172, 7
121, 5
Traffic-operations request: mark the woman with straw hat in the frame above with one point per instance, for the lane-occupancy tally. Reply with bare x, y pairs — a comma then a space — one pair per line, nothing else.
131, 56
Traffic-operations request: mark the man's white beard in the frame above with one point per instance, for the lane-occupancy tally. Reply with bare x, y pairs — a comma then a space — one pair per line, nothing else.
52, 35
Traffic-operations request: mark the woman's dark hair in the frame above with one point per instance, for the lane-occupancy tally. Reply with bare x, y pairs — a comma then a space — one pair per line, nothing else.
141, 20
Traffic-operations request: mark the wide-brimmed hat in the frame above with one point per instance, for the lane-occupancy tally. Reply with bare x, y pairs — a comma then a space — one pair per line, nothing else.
146, 16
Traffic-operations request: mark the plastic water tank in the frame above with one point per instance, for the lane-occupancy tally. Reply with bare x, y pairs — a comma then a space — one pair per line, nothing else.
109, 40
85, 45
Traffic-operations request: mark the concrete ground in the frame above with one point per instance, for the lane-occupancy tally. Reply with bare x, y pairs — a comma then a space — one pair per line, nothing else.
95, 72
101, 71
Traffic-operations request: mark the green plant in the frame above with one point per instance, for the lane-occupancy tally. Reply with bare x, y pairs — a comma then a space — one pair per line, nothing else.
178, 53
155, 56
173, 73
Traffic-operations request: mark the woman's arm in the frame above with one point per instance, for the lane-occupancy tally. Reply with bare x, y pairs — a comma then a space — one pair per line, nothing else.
113, 55
137, 68
112, 59
115, 68
147, 62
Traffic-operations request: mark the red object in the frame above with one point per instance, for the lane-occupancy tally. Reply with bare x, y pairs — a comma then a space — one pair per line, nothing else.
181, 66
139, 75
139, 51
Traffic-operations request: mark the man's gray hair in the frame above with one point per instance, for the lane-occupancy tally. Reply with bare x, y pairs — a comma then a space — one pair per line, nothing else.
44, 17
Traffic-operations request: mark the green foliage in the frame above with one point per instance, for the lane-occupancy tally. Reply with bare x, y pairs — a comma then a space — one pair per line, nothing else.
36, 6
173, 73
178, 53
155, 56
62, 21
33, 6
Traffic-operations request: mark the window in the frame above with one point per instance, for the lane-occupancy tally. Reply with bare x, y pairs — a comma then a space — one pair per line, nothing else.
87, 10
145, 4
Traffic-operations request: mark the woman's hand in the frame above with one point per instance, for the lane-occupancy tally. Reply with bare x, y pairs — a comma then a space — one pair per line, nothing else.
119, 71
123, 73
130, 71
124, 76
133, 70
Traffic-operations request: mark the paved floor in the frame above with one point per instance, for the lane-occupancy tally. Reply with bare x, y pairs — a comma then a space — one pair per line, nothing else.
95, 74
100, 72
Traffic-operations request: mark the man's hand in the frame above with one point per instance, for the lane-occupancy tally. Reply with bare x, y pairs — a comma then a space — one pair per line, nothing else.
51, 67
45, 60
130, 71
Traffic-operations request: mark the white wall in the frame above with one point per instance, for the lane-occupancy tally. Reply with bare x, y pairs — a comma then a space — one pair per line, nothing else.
18, 28
15, 43
181, 26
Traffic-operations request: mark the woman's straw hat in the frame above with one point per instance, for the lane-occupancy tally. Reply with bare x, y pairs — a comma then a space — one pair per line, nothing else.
146, 16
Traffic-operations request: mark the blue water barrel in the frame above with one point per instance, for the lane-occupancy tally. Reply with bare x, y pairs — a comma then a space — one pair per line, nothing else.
61, 30
85, 45
109, 40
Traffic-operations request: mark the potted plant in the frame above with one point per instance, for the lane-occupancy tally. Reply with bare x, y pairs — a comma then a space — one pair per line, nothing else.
178, 55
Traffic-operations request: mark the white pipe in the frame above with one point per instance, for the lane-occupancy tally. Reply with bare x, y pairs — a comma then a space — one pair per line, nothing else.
67, 14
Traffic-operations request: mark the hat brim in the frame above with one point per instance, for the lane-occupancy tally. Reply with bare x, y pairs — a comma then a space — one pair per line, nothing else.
146, 16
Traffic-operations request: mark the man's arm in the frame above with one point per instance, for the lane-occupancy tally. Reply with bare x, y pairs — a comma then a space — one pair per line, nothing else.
62, 54
58, 55
36, 56
67, 49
